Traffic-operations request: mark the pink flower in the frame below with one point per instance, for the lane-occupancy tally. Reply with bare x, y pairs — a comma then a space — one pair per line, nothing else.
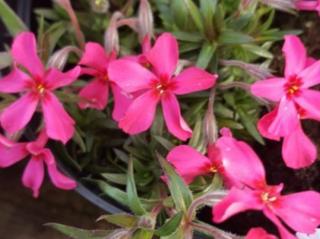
295, 102
299, 211
158, 84
226, 157
308, 5
36, 86
259, 233
95, 94
11, 153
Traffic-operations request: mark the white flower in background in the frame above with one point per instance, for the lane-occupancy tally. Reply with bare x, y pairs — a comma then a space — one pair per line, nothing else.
316, 235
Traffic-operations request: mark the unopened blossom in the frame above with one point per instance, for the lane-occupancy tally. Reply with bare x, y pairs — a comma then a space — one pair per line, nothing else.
36, 86
259, 233
33, 176
225, 157
298, 211
95, 62
295, 101
308, 5
157, 83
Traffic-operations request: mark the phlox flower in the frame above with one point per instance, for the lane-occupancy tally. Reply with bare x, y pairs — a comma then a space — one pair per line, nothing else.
95, 62
259, 233
226, 157
36, 84
299, 211
295, 101
157, 83
33, 176
308, 5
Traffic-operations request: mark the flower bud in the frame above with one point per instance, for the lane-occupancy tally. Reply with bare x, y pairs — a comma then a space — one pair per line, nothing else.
111, 36
145, 20
59, 59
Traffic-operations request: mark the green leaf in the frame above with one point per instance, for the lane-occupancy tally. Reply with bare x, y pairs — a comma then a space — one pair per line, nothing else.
77, 233
12, 22
113, 192
180, 192
195, 14
118, 178
170, 226
122, 220
205, 55
143, 234
164, 142
133, 198
258, 50
249, 124
178, 234
5, 60
234, 38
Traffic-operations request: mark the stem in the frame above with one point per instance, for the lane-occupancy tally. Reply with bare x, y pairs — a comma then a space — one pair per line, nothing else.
236, 84
214, 231
210, 124
213, 197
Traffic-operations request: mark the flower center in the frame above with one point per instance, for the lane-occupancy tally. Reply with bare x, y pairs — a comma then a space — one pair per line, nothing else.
266, 197
40, 88
292, 87
161, 88
213, 169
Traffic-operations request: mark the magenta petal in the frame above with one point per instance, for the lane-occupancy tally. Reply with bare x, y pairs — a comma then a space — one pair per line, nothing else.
11, 152
295, 54
286, 119
193, 79
310, 75
140, 114
17, 115
259, 233
300, 211
14, 82
298, 151
164, 55
264, 124
283, 231
188, 162
271, 89
59, 125
121, 102
240, 163
95, 56
309, 101
172, 115
56, 79
130, 76
58, 179
24, 52
235, 202
33, 175
94, 95
306, 5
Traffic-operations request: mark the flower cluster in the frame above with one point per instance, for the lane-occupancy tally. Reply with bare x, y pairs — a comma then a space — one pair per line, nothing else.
137, 88
139, 83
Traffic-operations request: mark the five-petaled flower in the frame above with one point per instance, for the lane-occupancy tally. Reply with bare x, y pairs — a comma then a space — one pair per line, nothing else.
295, 101
95, 62
12, 152
225, 157
158, 83
37, 85
299, 211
